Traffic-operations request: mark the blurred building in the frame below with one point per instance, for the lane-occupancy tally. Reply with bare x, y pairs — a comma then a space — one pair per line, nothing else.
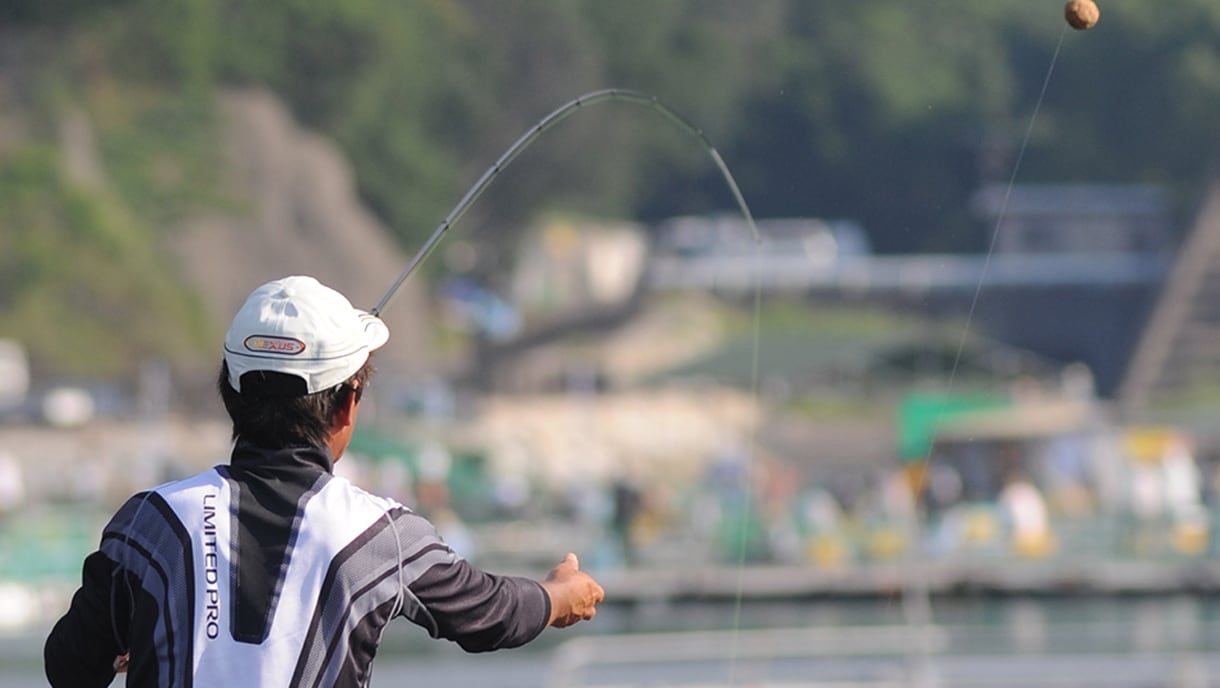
1076, 218
1119, 237
568, 266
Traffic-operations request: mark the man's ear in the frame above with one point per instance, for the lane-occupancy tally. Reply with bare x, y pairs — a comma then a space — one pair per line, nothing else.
345, 414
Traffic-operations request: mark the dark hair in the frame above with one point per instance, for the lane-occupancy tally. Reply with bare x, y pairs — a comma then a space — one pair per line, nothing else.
274, 410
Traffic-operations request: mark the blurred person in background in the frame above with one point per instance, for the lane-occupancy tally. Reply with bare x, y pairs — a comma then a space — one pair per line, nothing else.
271, 571
12, 483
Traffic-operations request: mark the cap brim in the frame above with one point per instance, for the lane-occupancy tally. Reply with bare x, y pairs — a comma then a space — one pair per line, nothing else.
376, 330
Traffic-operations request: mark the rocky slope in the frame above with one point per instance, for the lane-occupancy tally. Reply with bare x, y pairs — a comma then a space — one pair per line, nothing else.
302, 216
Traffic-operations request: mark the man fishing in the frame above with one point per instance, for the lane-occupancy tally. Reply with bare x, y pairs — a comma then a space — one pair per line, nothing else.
271, 571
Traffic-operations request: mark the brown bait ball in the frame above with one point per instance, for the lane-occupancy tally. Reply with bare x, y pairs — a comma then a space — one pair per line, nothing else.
1081, 14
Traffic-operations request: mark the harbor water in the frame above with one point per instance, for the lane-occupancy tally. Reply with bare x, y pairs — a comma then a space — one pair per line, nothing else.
970, 640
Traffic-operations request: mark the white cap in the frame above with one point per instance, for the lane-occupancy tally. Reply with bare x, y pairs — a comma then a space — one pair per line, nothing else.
298, 326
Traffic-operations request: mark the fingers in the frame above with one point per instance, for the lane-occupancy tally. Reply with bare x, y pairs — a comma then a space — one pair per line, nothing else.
571, 559
596, 594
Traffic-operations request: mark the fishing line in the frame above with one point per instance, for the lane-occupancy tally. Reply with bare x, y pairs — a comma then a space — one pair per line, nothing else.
916, 601
1001, 216
747, 489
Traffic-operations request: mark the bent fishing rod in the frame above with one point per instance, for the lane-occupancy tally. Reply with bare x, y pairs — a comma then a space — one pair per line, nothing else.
558, 115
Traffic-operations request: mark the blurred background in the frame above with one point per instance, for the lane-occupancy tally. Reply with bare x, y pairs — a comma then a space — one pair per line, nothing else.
950, 420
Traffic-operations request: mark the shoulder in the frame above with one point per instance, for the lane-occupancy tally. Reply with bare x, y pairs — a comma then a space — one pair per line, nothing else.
159, 499
356, 497
209, 478
358, 504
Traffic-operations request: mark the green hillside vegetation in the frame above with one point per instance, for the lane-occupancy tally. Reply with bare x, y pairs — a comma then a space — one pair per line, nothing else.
876, 111
81, 282
800, 344
84, 282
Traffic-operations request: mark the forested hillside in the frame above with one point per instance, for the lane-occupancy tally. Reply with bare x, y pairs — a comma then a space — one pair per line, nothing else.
887, 111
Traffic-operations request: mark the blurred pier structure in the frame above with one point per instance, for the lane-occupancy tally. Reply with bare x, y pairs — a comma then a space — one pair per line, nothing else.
905, 278
1177, 352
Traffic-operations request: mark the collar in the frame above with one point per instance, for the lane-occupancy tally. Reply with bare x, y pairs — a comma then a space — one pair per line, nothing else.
307, 458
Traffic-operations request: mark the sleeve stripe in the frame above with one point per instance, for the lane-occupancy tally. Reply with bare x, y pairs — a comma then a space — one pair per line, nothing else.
368, 552
147, 539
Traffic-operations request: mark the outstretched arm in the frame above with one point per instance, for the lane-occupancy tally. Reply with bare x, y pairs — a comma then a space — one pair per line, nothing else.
482, 611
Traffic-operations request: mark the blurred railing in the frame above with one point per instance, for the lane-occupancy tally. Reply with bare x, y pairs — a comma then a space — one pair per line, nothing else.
897, 656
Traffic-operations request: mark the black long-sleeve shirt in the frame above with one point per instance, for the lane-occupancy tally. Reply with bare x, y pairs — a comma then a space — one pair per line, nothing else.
271, 571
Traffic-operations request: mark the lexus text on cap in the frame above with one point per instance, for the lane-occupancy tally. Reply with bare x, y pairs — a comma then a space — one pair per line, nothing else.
298, 326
